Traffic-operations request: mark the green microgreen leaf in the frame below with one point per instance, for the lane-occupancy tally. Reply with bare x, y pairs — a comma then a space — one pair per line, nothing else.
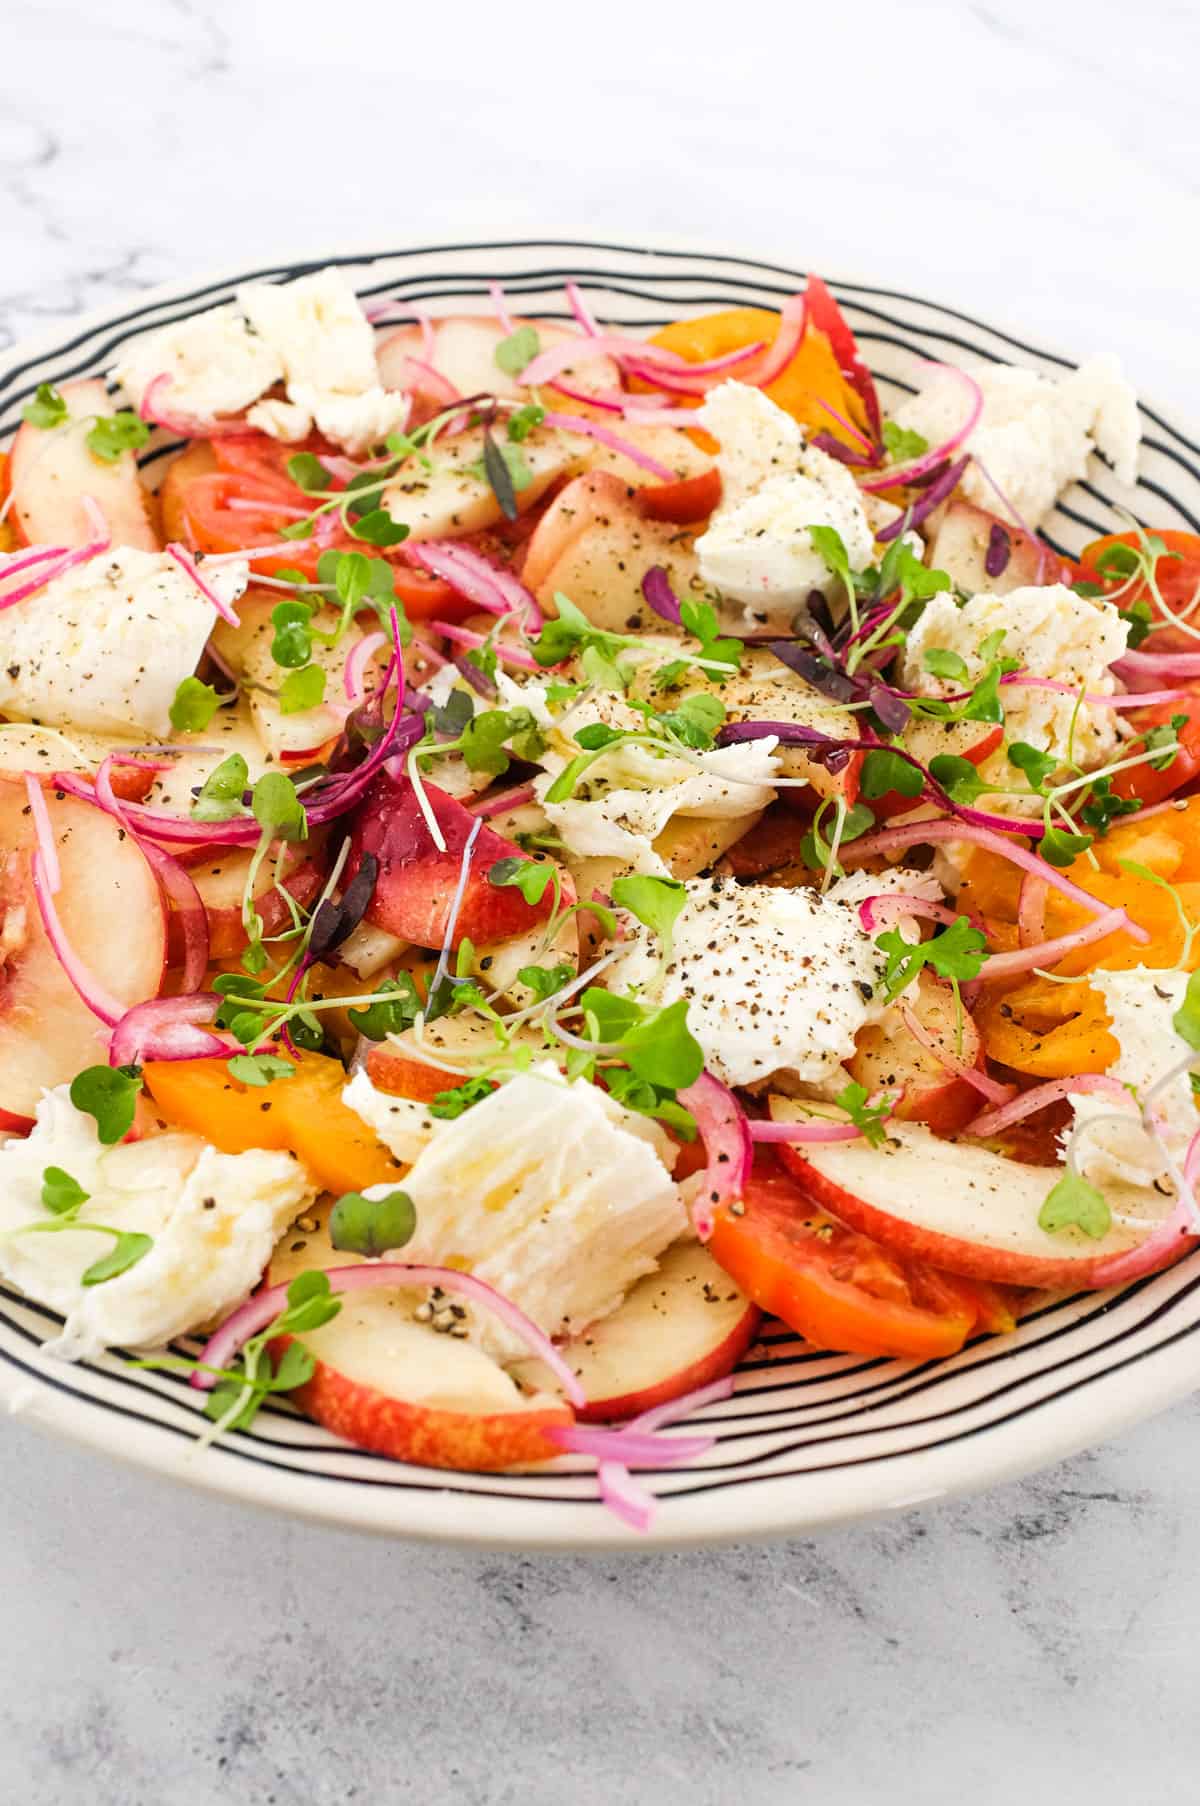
259, 1069
114, 434
522, 421
379, 529
393, 1014
570, 632
530, 876
1074, 1204
47, 409
221, 794
1186, 1020
1163, 740
941, 662
452, 716
984, 702
700, 619
126, 1251
958, 953
819, 852
372, 1226
884, 771
292, 621
194, 706
60, 1192
483, 740
308, 473
868, 1118
638, 1095
1061, 848
902, 443
110, 1094
656, 902
828, 542
544, 981
302, 689
453, 1102
1138, 618
958, 777
518, 349
277, 809
1038, 766
1103, 808
696, 720
656, 1044
901, 569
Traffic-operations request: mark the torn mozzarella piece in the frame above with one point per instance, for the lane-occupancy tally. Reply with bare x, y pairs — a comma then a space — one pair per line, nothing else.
326, 348
626, 798
1111, 1140
1036, 433
758, 549
217, 364
758, 440
317, 329
1056, 635
105, 646
777, 981
214, 1219
548, 1191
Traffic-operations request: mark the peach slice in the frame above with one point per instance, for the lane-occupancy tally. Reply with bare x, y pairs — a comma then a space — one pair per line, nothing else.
963, 1207
679, 1328
387, 1382
50, 470
889, 1058
112, 912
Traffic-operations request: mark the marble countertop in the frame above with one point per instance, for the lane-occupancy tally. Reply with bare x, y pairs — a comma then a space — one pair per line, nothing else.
161, 1649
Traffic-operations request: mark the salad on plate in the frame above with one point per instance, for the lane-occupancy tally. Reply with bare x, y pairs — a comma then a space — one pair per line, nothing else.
534, 848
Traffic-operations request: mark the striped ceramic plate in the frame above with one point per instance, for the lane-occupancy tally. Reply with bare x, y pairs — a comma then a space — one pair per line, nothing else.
808, 1438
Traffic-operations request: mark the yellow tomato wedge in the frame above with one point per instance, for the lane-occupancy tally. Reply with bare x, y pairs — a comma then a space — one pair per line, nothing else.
304, 1113
812, 375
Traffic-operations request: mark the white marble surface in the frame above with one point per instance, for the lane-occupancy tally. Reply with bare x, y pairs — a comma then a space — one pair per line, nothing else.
162, 1650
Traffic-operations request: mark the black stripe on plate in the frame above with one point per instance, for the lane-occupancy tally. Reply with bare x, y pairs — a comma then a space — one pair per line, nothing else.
939, 1374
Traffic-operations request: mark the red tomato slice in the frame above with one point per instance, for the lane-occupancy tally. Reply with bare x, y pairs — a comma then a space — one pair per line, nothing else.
217, 526
1178, 579
825, 314
691, 499
254, 471
836, 1288
263, 463
1143, 780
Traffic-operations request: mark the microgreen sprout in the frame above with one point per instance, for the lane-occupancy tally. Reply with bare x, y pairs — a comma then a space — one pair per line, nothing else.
63, 1197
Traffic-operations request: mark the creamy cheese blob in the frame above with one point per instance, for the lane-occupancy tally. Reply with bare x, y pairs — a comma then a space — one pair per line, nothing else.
310, 334
214, 1219
627, 798
624, 800
1055, 634
216, 361
105, 646
1154, 1061
550, 1192
1036, 433
758, 549
327, 348
776, 980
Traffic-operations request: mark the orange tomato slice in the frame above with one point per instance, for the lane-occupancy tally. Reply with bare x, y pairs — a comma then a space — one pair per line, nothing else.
812, 376
304, 1114
836, 1288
